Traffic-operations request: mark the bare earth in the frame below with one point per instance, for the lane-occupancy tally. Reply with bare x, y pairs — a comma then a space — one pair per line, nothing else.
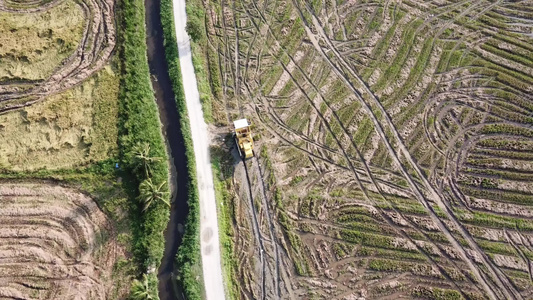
55, 243
394, 152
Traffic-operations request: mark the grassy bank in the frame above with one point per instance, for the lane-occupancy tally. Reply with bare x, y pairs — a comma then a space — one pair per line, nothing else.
188, 259
222, 164
140, 125
205, 63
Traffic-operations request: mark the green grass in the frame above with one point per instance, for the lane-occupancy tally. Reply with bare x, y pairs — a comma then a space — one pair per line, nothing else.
379, 50
505, 144
369, 239
490, 193
414, 75
222, 166
364, 130
139, 123
387, 265
408, 37
435, 293
507, 128
492, 47
495, 247
493, 220
205, 64
510, 175
393, 254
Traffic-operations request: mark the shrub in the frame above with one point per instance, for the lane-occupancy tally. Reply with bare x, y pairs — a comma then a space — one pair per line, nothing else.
194, 29
140, 124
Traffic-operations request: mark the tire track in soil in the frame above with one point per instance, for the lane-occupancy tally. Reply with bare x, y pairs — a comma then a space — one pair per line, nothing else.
521, 254
262, 186
93, 52
389, 219
255, 223
378, 188
368, 172
233, 73
266, 209
280, 124
259, 175
257, 230
502, 282
30, 251
382, 213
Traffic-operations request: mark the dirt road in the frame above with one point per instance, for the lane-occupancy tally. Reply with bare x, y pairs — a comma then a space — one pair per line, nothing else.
210, 245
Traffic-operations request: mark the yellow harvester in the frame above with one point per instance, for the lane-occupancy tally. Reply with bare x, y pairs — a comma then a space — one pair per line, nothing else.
243, 138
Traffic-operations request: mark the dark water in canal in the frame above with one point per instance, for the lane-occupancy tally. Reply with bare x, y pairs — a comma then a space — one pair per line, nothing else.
176, 148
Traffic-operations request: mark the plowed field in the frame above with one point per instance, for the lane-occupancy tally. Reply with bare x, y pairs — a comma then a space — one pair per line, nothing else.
55, 243
397, 143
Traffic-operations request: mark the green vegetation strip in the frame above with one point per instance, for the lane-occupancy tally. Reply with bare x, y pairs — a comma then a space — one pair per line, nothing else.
222, 163
140, 125
203, 58
188, 259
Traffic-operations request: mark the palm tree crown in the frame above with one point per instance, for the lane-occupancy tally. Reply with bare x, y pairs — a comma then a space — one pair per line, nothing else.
140, 289
149, 192
141, 153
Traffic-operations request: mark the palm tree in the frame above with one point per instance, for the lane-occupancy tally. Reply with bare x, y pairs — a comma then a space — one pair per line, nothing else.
141, 153
140, 289
149, 192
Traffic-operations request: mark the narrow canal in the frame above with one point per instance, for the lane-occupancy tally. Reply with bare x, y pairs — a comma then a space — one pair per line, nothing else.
171, 130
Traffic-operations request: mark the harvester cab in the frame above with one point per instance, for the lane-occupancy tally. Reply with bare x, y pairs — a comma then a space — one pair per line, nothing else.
243, 138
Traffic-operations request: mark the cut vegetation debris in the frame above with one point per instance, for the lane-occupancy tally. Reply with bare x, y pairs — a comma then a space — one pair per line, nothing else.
48, 36
84, 126
65, 42
66, 130
397, 141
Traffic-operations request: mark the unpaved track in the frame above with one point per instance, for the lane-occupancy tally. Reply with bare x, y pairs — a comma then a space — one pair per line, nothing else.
93, 53
55, 243
210, 244
257, 231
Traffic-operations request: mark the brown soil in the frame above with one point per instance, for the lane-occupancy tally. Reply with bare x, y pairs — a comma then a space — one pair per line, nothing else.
55, 243
388, 189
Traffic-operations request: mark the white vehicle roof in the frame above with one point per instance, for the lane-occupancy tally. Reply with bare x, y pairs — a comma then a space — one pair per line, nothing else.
240, 123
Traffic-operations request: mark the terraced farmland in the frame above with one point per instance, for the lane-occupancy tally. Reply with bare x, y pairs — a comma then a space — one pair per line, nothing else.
397, 139
55, 244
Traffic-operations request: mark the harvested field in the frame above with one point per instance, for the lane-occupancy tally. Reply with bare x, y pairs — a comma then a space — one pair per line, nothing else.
55, 243
50, 37
397, 146
57, 55
59, 106
69, 129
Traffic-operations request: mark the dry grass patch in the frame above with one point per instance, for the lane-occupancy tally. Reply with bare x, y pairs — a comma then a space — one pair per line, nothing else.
68, 129
33, 45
